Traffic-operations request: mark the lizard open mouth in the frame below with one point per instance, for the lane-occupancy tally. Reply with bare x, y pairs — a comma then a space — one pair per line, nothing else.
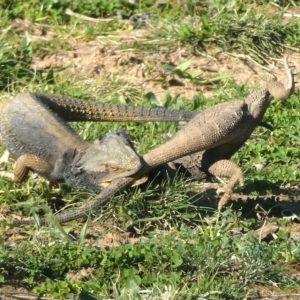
135, 182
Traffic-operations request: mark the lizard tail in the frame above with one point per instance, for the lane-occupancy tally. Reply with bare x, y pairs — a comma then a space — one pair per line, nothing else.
76, 110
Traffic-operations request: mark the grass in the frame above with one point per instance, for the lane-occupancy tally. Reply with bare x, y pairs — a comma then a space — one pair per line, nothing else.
200, 263
171, 245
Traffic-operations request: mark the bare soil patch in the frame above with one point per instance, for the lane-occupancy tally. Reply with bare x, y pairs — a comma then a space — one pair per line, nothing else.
14, 291
101, 58
108, 235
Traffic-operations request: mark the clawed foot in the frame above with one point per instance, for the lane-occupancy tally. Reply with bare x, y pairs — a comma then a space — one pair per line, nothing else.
4, 158
226, 196
228, 190
3, 161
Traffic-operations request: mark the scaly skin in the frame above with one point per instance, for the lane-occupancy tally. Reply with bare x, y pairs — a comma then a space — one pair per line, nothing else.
217, 133
114, 145
205, 145
76, 110
92, 171
212, 137
106, 194
33, 128
38, 140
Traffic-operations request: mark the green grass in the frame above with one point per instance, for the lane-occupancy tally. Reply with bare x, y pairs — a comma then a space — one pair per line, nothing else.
201, 262
183, 249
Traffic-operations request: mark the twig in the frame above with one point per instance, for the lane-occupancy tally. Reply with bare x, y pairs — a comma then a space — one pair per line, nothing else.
249, 58
279, 198
25, 296
289, 15
69, 12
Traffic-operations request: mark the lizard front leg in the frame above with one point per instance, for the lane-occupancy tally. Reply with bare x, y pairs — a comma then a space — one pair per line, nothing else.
227, 168
25, 163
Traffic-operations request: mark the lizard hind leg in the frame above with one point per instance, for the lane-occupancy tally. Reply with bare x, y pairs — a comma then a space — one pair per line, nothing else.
25, 163
227, 168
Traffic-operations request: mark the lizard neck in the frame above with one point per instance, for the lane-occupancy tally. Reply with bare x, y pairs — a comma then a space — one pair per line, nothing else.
258, 103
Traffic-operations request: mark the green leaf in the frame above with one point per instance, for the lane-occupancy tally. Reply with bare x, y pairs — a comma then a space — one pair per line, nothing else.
184, 66
88, 296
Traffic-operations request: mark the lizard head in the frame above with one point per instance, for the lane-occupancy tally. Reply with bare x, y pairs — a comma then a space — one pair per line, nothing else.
111, 158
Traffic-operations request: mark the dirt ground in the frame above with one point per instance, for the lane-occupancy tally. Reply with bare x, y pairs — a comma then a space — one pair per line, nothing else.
101, 58
97, 60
